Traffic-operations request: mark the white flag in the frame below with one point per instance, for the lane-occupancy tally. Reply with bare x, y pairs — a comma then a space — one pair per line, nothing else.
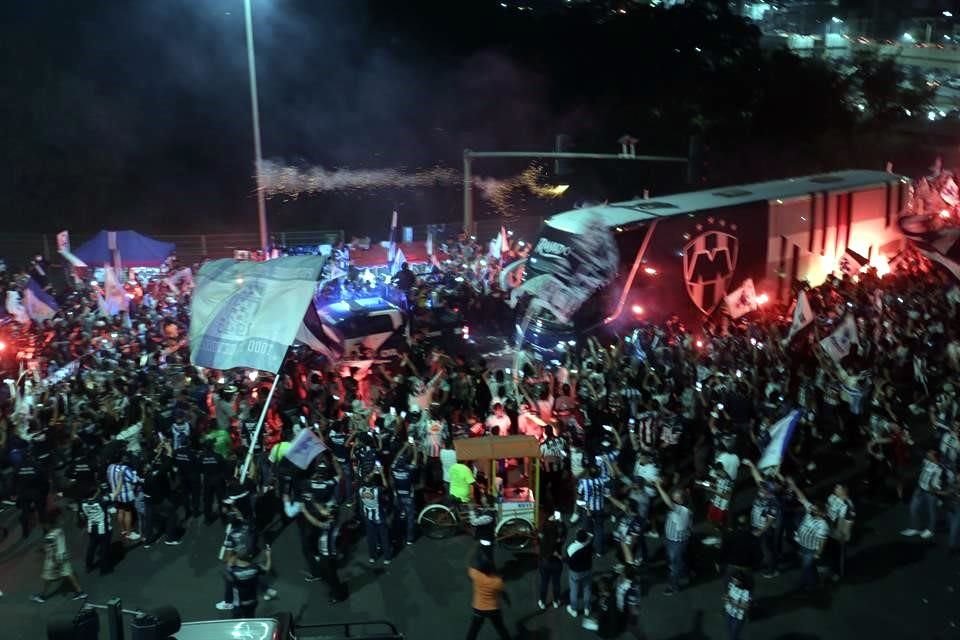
742, 300
246, 314
780, 435
15, 307
304, 448
397, 263
837, 344
802, 315
114, 298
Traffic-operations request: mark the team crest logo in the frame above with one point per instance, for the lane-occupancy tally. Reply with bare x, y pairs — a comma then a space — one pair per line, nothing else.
709, 261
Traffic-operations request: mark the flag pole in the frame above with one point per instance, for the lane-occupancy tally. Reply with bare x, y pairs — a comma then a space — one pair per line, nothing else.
259, 427
249, 458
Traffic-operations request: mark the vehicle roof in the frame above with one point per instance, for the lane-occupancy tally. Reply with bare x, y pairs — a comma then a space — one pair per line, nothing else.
245, 629
632, 211
345, 308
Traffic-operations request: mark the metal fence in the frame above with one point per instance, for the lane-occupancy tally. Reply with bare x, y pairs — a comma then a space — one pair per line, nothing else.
18, 248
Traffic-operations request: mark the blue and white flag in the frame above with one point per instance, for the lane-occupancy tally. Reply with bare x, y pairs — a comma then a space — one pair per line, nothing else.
837, 344
38, 304
304, 448
780, 435
246, 314
320, 337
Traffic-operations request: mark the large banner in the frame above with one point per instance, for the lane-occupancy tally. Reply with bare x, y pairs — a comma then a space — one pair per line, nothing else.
246, 314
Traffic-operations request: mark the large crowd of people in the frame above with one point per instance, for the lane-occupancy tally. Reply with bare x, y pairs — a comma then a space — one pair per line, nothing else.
653, 439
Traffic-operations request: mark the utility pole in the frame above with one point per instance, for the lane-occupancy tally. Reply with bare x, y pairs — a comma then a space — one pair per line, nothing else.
255, 110
627, 152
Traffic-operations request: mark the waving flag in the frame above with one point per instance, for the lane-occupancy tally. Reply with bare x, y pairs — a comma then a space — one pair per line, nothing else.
38, 304
320, 337
837, 345
246, 314
780, 435
743, 300
113, 299
851, 262
397, 263
394, 237
15, 307
304, 448
802, 315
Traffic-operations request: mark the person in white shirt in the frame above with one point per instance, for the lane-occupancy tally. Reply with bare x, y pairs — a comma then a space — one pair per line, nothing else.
499, 419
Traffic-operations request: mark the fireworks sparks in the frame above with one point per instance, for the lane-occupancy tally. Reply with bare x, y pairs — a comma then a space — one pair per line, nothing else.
292, 181
501, 194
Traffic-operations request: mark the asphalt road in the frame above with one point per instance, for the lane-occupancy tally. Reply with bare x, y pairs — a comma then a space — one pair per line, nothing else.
895, 588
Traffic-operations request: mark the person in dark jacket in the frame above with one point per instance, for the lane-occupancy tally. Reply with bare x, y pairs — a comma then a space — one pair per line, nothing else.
552, 538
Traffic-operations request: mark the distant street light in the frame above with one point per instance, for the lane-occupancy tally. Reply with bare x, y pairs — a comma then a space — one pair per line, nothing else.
836, 20
947, 14
907, 37
255, 112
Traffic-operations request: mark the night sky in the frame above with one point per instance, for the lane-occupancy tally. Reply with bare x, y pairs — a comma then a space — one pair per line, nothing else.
135, 114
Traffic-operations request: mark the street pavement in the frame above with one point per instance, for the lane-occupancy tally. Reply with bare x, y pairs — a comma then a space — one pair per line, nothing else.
895, 588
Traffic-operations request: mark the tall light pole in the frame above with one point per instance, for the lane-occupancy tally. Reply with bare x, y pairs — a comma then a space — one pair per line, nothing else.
255, 111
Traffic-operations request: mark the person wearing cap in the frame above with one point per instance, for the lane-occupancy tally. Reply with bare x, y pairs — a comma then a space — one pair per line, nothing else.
94, 514
243, 577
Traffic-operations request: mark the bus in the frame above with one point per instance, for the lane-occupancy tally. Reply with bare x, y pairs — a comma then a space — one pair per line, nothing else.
680, 255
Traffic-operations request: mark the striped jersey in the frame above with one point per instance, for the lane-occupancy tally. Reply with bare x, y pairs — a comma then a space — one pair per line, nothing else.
552, 453
592, 492
95, 512
123, 482
370, 504
722, 490
931, 476
811, 533
949, 449
763, 510
678, 524
737, 602
838, 508
648, 430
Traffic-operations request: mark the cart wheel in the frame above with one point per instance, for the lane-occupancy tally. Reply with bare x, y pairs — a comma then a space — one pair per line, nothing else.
437, 521
515, 534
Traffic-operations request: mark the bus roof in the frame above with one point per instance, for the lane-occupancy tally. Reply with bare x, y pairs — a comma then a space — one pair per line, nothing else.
622, 213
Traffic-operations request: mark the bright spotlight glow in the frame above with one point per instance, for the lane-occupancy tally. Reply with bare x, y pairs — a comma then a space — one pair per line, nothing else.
907, 37
221, 380
699, 344
252, 375
637, 310
3, 346
945, 213
881, 264
93, 283
763, 299
650, 271
239, 280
